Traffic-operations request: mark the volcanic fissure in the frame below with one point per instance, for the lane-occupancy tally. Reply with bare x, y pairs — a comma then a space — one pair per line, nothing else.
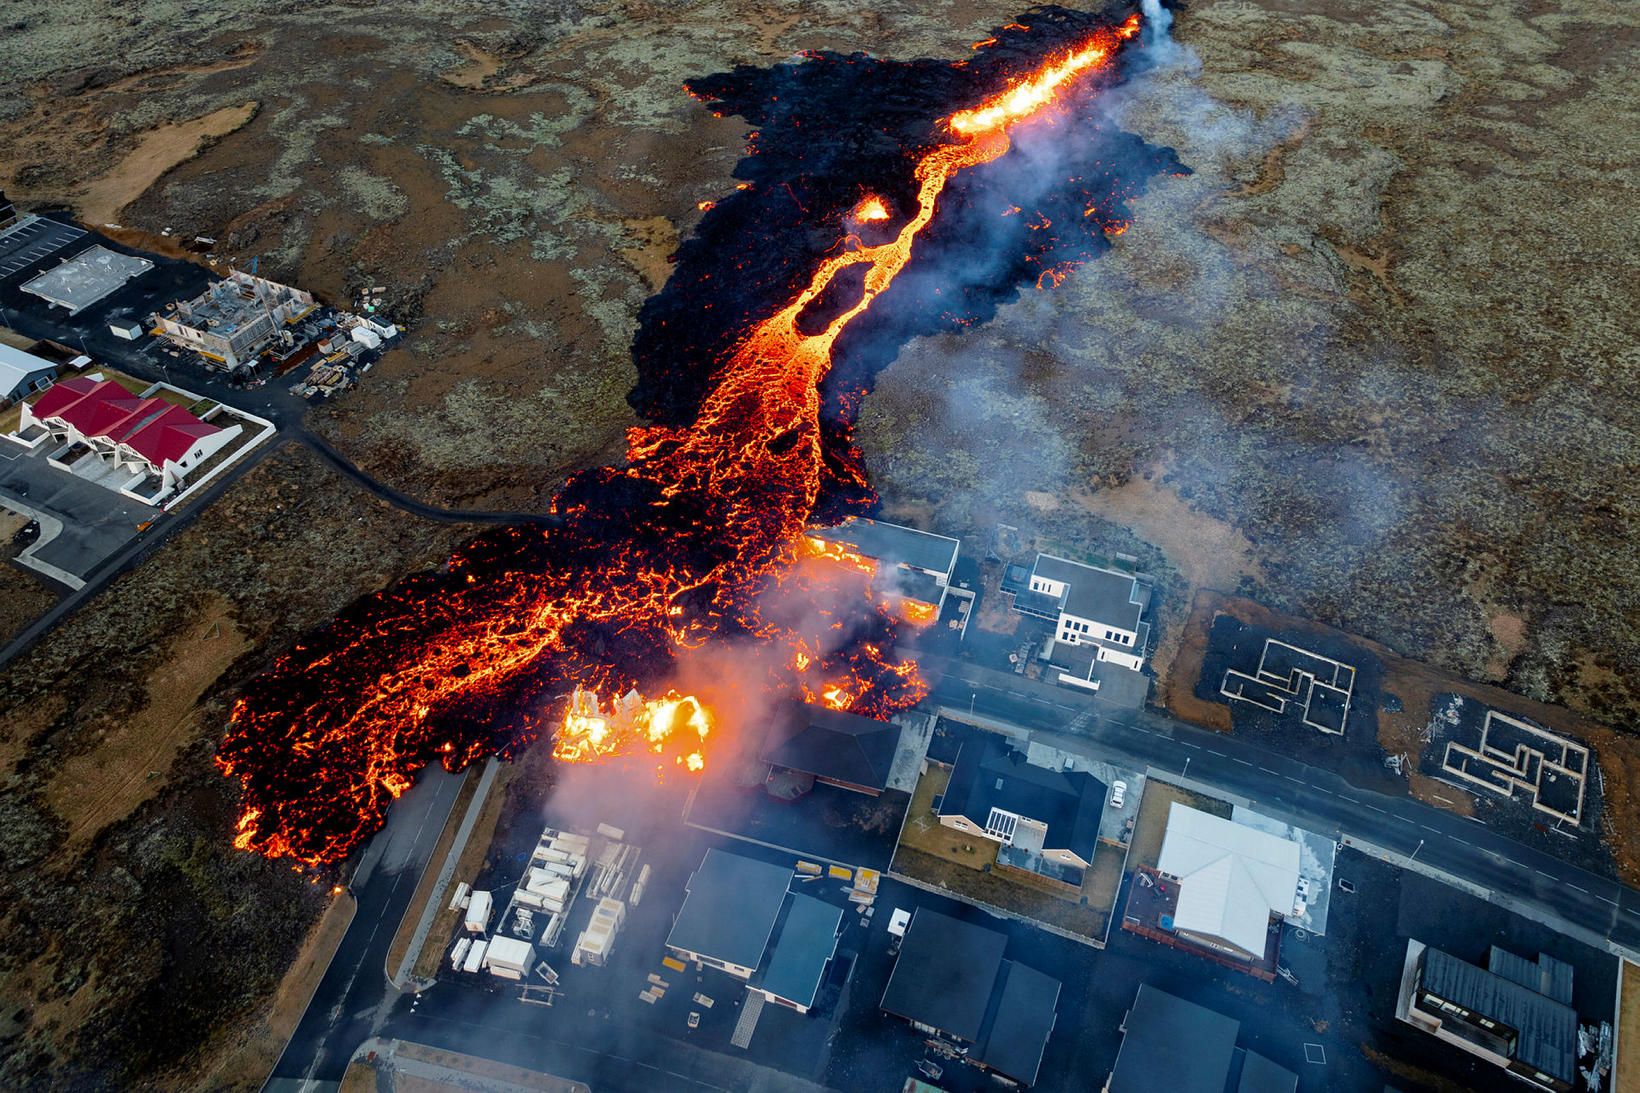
752, 365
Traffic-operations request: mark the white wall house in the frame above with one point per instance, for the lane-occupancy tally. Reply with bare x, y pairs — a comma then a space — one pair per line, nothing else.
1097, 615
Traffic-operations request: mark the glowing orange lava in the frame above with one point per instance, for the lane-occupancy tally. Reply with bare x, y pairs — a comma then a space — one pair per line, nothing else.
740, 485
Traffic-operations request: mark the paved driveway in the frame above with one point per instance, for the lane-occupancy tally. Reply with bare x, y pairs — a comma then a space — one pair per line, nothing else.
95, 521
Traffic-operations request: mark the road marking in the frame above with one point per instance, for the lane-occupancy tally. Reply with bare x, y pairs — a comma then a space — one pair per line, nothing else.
1577, 888
1267, 770
1351, 800
1187, 744
1541, 873
1378, 810
1243, 762
1426, 827
1299, 781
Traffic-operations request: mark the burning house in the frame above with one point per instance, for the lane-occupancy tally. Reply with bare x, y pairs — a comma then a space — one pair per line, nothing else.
808, 744
916, 567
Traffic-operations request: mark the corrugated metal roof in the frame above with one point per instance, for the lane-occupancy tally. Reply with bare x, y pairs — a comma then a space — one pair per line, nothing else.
1547, 1028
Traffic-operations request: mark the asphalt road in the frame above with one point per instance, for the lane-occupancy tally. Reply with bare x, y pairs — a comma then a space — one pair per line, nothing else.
353, 999
1594, 908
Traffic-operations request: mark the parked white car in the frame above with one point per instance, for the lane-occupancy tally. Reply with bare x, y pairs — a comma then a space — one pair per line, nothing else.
1118, 794
1301, 901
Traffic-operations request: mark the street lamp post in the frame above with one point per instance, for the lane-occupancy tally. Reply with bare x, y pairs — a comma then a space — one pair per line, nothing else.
1186, 765
1415, 850
972, 698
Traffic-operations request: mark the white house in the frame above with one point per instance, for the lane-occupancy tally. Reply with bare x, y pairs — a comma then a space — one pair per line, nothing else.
1232, 878
1099, 635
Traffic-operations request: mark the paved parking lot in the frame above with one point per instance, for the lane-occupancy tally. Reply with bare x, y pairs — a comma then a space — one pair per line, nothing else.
32, 240
93, 522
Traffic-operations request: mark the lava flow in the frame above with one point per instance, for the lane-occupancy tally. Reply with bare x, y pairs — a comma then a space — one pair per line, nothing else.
694, 547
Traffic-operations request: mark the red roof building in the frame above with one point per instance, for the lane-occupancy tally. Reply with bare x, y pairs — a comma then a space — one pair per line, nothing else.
145, 434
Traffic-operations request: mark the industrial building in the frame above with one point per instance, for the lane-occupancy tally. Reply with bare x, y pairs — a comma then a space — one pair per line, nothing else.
1046, 820
740, 916
22, 374
235, 319
1514, 1013
89, 276
1232, 879
950, 980
807, 744
1174, 1045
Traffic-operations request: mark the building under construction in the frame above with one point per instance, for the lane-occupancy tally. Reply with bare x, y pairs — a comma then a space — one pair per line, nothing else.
235, 319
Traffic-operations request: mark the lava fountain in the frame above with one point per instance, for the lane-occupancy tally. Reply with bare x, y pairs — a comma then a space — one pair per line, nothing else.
697, 542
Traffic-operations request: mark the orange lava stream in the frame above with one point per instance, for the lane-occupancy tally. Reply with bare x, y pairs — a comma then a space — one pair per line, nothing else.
752, 460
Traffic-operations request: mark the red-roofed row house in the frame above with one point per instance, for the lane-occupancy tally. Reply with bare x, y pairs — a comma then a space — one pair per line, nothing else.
148, 436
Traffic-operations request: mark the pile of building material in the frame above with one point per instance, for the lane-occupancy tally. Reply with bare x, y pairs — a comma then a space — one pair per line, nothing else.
864, 890
596, 941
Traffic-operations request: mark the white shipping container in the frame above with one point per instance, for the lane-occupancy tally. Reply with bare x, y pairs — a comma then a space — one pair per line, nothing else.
475, 957
459, 954
459, 900
505, 973
478, 913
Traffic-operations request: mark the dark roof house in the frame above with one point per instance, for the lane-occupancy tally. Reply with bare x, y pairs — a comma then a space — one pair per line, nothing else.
805, 942
990, 774
1545, 1026
1174, 1045
729, 911
839, 748
950, 977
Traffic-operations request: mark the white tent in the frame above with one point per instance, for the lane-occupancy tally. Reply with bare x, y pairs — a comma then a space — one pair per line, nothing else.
1231, 877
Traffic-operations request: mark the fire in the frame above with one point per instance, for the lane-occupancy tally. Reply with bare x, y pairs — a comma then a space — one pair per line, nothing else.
870, 210
642, 563
632, 725
917, 612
